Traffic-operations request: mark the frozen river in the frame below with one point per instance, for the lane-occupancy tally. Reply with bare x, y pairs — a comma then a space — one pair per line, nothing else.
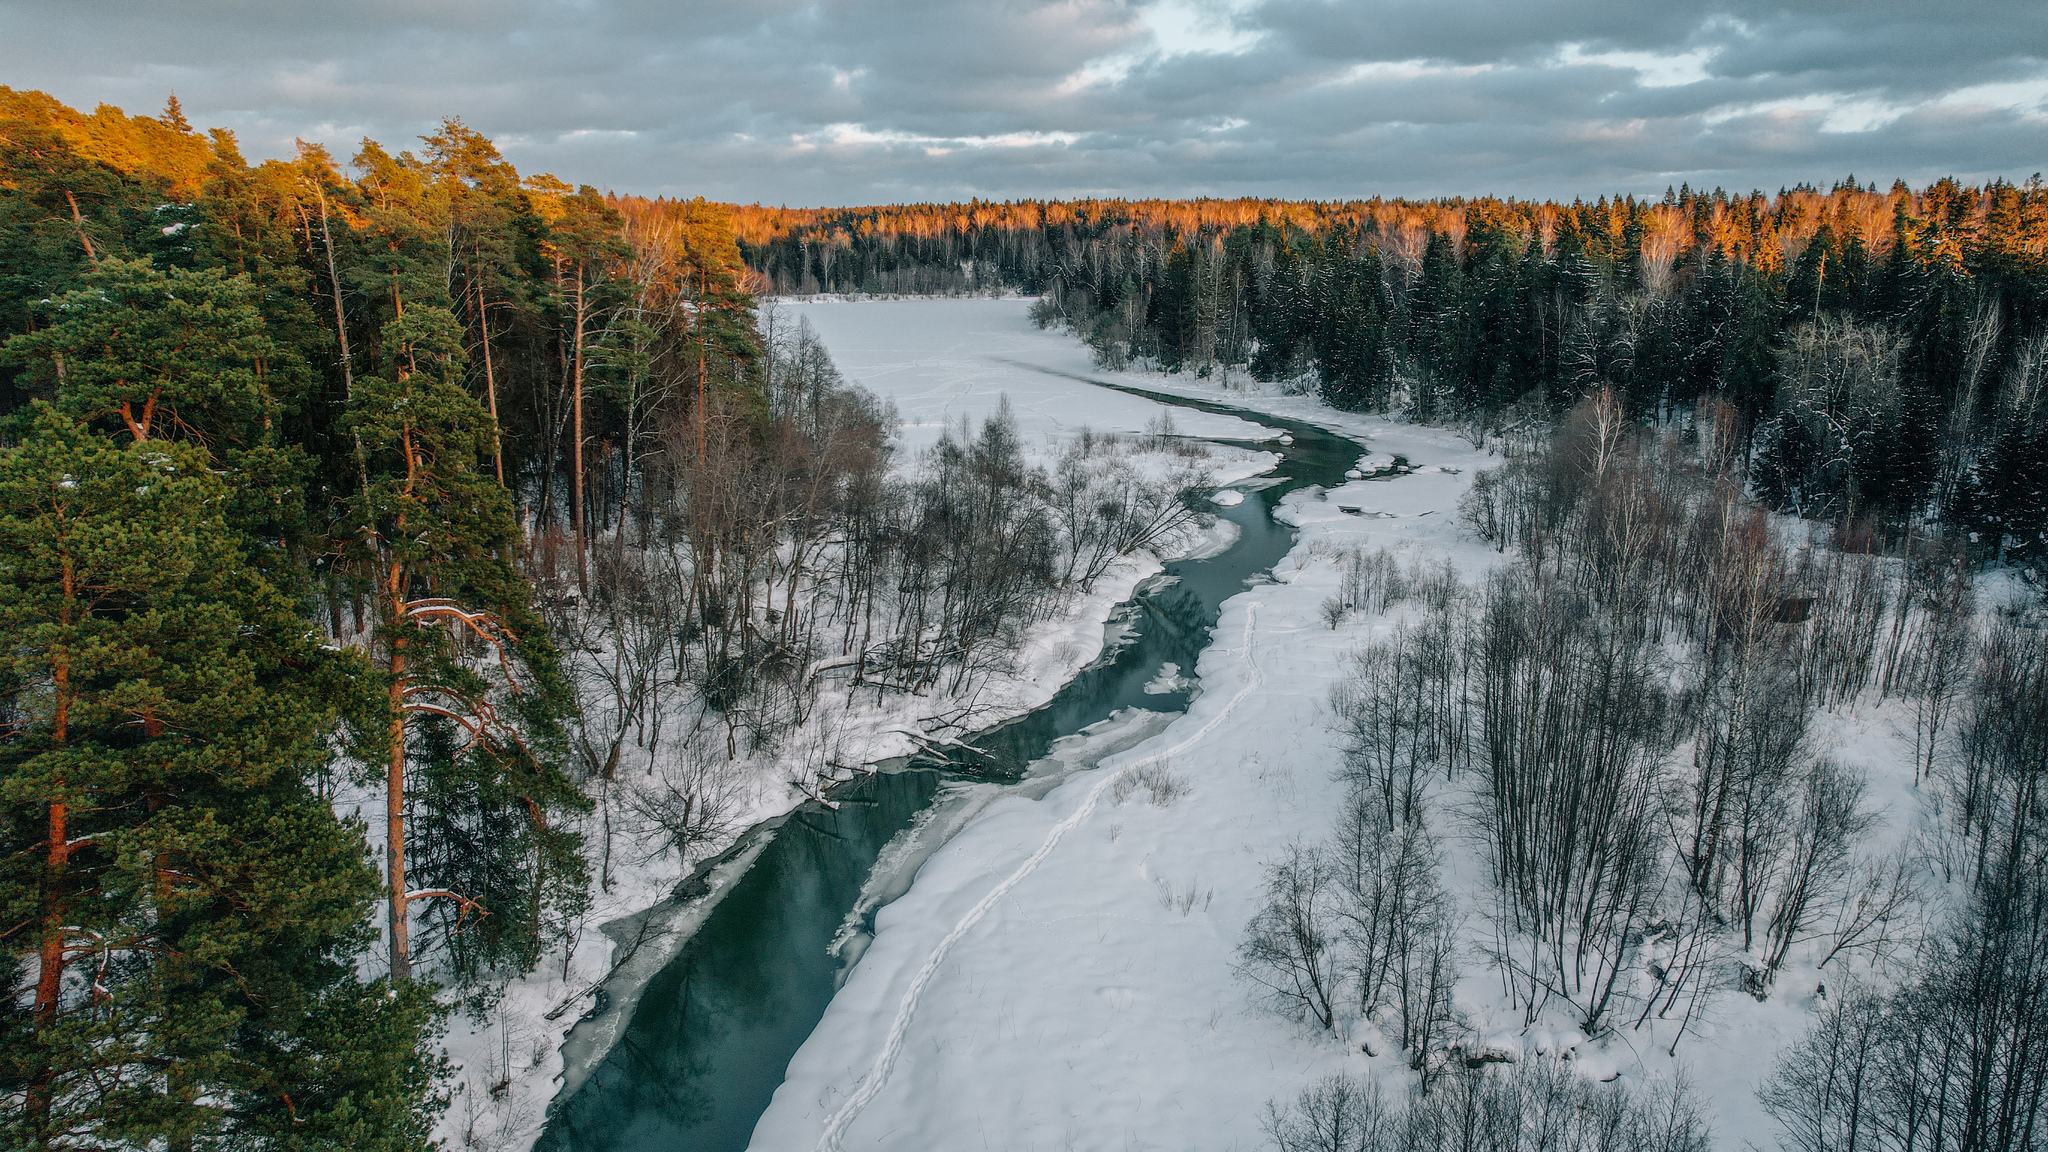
708, 1041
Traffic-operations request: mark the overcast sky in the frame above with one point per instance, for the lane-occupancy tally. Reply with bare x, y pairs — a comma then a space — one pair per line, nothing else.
864, 101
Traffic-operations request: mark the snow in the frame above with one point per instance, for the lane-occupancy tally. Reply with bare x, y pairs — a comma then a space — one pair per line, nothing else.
1051, 965
1228, 497
1214, 540
938, 362
1040, 983
1168, 680
1059, 974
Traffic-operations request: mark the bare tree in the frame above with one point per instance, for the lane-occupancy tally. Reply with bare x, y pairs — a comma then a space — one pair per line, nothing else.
1537, 1104
1572, 724
1937, 665
1382, 725
1289, 947
1816, 865
1398, 928
1881, 891
688, 799
1954, 1058
1335, 1114
1824, 1092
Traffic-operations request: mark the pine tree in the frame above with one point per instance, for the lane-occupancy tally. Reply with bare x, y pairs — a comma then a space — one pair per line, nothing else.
180, 356
583, 245
457, 635
484, 200
183, 906
174, 115
1437, 330
159, 355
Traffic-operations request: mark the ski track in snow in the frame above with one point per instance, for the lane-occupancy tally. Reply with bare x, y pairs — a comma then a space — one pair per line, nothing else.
878, 1073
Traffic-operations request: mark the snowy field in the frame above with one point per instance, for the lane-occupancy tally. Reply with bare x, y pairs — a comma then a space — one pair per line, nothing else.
1059, 976
941, 360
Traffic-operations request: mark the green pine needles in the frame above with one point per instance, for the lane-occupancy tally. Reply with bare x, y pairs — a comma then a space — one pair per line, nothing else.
189, 915
188, 906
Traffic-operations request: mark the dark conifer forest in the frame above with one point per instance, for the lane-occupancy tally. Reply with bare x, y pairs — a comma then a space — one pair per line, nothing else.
1882, 351
359, 514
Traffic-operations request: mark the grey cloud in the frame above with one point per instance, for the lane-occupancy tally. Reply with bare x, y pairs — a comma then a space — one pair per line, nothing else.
751, 100
1467, 33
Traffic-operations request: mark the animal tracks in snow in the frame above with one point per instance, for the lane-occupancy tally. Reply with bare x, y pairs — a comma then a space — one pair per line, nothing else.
885, 1061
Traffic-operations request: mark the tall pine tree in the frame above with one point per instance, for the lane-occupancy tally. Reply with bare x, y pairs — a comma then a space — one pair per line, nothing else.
183, 908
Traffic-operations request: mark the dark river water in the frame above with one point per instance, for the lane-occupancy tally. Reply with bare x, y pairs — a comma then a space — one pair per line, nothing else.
711, 1034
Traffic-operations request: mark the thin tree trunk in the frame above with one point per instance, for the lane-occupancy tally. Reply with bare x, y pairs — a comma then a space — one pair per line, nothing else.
78, 223
483, 324
394, 780
576, 405
348, 378
50, 958
394, 792
702, 283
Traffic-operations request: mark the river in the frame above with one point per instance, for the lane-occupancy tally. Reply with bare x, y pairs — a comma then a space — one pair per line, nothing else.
710, 1035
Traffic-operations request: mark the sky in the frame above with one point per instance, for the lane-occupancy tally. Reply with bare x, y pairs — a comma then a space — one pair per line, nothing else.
844, 102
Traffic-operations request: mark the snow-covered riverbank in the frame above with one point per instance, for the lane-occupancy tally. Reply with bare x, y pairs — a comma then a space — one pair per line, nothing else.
1060, 974
510, 1063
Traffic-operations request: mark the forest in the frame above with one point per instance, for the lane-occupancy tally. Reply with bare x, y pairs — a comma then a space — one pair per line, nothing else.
1763, 457
1882, 349
357, 523
1627, 718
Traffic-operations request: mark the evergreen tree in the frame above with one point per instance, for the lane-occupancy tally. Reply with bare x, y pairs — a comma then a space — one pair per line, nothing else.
457, 634
159, 355
487, 240
185, 909
186, 356
1351, 338
1436, 326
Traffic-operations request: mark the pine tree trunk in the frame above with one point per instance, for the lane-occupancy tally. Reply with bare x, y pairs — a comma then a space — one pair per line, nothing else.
483, 325
576, 480
50, 973
50, 956
394, 793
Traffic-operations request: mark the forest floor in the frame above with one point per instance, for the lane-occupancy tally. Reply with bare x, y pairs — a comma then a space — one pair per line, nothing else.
937, 365
1060, 975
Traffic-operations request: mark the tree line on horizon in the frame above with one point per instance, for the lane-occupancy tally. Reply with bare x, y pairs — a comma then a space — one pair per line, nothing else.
1881, 349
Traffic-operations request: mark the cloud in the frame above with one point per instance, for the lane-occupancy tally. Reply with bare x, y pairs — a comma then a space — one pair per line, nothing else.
858, 101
